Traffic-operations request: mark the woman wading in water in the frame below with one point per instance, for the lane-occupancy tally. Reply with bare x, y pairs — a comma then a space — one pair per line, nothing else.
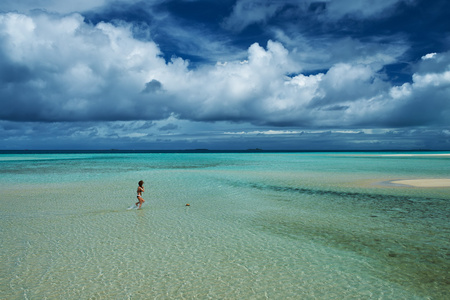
140, 190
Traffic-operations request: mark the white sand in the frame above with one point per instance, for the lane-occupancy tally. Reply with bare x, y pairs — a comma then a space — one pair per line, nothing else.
439, 182
417, 155
441, 155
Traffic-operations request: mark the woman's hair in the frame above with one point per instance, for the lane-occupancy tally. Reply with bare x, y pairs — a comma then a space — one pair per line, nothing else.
141, 183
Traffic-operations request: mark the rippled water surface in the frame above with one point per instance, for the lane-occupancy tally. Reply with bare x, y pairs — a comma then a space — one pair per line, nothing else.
259, 225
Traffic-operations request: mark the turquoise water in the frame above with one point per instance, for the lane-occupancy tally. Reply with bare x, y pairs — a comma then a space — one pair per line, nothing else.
259, 226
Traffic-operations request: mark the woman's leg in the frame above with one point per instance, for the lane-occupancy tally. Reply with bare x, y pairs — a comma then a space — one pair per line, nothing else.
141, 201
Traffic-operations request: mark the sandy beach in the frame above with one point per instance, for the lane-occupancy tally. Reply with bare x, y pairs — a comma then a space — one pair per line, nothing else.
438, 182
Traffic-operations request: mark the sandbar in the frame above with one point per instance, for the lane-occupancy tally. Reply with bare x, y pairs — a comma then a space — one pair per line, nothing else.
438, 182
417, 155
403, 155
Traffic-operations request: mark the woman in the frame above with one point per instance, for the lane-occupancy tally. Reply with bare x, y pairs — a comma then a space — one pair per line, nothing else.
140, 190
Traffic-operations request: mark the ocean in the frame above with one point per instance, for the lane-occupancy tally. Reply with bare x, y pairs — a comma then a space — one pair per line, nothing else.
259, 225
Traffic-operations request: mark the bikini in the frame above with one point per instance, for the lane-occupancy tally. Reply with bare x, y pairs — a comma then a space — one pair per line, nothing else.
139, 194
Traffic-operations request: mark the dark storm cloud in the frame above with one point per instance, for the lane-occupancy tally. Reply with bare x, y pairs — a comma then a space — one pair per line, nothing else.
152, 86
136, 135
11, 72
168, 127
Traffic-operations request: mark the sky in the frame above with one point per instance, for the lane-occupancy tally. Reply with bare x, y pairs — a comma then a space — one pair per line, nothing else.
224, 75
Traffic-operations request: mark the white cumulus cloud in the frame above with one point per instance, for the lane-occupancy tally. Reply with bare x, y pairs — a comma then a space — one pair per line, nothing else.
60, 68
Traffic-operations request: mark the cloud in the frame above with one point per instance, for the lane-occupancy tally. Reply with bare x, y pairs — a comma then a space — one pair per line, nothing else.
320, 34
172, 26
362, 9
321, 53
60, 68
425, 101
152, 86
429, 56
61, 6
346, 95
268, 132
168, 127
142, 135
249, 12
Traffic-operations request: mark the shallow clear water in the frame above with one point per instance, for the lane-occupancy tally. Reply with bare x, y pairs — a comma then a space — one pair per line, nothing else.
261, 225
